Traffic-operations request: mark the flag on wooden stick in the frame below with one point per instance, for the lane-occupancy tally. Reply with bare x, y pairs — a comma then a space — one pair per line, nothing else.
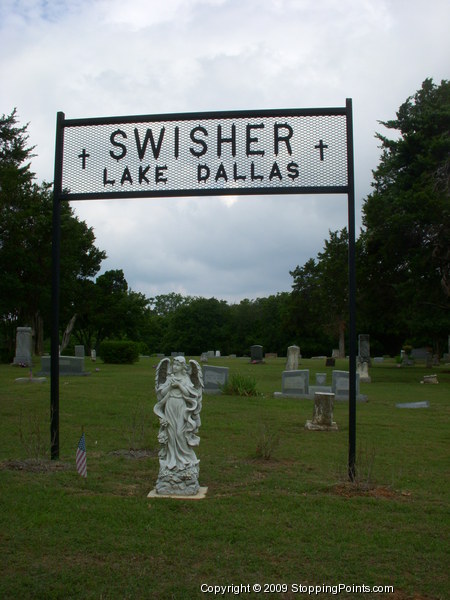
81, 457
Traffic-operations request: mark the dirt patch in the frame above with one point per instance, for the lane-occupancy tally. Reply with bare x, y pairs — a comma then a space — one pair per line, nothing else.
351, 490
134, 453
35, 465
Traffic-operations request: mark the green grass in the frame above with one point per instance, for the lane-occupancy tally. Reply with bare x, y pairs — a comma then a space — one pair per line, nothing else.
292, 518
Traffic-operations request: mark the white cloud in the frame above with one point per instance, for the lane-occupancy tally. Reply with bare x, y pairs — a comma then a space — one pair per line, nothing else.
109, 57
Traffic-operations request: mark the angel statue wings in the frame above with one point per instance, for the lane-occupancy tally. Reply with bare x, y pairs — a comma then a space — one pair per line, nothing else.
179, 390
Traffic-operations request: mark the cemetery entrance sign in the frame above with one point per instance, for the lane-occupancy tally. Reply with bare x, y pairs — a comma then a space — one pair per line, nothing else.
293, 151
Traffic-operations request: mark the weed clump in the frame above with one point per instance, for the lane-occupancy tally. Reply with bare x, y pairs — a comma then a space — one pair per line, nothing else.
240, 385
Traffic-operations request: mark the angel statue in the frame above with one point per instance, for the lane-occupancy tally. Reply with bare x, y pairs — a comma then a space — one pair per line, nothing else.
179, 401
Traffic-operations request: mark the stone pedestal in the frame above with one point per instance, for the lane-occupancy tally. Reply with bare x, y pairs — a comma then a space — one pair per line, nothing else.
323, 413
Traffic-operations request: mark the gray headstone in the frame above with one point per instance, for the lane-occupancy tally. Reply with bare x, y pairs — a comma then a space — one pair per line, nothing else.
321, 378
214, 378
210, 353
364, 346
173, 354
68, 365
24, 345
295, 382
79, 351
256, 353
340, 385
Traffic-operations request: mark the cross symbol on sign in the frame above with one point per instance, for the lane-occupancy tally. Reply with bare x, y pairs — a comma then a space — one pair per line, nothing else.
84, 155
321, 147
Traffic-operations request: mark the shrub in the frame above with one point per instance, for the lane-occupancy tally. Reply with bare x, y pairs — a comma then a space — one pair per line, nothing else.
240, 385
120, 352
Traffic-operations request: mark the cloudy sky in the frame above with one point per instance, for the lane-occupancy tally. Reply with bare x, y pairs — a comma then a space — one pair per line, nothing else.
92, 58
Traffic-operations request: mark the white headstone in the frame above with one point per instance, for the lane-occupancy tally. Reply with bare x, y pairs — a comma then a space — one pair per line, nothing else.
293, 353
24, 345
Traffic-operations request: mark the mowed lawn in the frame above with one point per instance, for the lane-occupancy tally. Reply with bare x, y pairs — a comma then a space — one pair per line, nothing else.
291, 519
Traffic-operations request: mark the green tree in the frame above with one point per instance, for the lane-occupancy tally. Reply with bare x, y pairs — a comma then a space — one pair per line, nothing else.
25, 242
320, 292
407, 221
109, 309
197, 326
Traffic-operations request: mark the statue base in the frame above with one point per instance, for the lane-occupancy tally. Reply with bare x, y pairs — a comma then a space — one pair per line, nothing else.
198, 496
319, 427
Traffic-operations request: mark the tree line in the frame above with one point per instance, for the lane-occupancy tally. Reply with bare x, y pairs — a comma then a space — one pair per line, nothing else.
402, 258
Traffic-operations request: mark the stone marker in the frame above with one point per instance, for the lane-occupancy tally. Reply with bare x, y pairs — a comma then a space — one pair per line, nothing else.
79, 351
30, 379
321, 378
363, 360
217, 353
293, 353
424, 404
68, 365
362, 368
214, 378
93, 355
430, 379
335, 353
340, 386
323, 413
295, 383
256, 353
24, 345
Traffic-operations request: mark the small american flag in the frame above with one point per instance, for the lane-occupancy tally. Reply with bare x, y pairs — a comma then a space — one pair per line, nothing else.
81, 457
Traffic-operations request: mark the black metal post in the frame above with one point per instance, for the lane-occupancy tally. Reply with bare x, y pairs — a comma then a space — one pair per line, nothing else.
352, 296
56, 251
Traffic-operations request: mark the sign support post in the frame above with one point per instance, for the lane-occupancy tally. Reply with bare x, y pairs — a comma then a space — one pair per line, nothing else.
56, 259
351, 297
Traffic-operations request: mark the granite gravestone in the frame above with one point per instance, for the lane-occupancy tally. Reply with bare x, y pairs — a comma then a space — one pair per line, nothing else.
295, 383
214, 378
256, 353
24, 345
79, 351
68, 365
340, 386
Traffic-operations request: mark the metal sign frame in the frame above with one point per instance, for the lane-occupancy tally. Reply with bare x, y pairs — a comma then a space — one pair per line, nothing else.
292, 151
